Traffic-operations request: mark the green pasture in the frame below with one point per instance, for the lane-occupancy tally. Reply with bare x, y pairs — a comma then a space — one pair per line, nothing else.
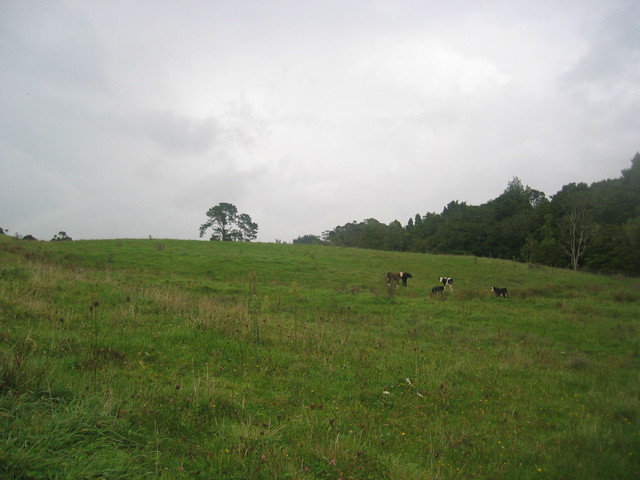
218, 360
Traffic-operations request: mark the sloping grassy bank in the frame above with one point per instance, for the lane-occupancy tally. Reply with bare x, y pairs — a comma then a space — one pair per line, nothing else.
182, 359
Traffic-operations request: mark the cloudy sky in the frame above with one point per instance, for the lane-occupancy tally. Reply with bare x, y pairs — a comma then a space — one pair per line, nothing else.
132, 118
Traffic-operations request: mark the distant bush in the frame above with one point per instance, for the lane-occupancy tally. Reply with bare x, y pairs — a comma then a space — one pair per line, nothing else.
309, 240
61, 237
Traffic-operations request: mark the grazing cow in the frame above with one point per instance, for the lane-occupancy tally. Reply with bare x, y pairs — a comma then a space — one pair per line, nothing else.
447, 281
500, 292
438, 289
397, 276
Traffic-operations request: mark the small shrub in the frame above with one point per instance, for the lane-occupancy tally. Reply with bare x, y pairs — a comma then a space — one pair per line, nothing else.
579, 363
625, 297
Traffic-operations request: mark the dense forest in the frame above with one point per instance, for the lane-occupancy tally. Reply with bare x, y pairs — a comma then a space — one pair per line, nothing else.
594, 227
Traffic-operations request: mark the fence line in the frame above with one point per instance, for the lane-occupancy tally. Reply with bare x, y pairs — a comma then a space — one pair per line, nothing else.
610, 272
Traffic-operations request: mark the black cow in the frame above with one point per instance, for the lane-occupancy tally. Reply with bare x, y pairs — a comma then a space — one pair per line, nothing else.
500, 292
438, 289
397, 276
447, 281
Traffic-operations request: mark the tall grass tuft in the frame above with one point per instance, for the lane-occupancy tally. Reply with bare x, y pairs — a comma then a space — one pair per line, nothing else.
17, 374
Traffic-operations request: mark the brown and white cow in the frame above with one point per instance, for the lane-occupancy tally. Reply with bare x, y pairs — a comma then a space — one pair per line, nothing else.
397, 277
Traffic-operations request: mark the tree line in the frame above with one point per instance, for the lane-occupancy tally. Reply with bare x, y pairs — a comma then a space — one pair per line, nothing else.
595, 226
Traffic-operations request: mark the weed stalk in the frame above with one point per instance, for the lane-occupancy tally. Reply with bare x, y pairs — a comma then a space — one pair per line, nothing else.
95, 333
254, 305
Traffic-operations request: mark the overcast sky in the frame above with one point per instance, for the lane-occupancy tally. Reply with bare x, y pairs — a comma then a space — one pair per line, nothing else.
124, 119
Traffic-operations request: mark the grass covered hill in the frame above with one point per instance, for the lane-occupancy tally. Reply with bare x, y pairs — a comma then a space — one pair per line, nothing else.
185, 359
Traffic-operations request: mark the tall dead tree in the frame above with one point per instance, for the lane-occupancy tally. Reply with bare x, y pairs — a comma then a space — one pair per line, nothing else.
577, 230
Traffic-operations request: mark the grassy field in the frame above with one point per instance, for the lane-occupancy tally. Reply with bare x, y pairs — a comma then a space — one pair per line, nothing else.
184, 359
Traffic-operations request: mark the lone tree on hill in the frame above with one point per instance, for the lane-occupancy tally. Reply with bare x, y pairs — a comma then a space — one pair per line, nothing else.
228, 226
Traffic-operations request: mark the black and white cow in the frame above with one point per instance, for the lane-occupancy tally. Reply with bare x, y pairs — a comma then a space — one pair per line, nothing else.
500, 292
438, 289
447, 281
397, 276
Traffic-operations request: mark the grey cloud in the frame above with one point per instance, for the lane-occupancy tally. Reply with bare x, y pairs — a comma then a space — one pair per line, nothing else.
235, 128
611, 63
179, 133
